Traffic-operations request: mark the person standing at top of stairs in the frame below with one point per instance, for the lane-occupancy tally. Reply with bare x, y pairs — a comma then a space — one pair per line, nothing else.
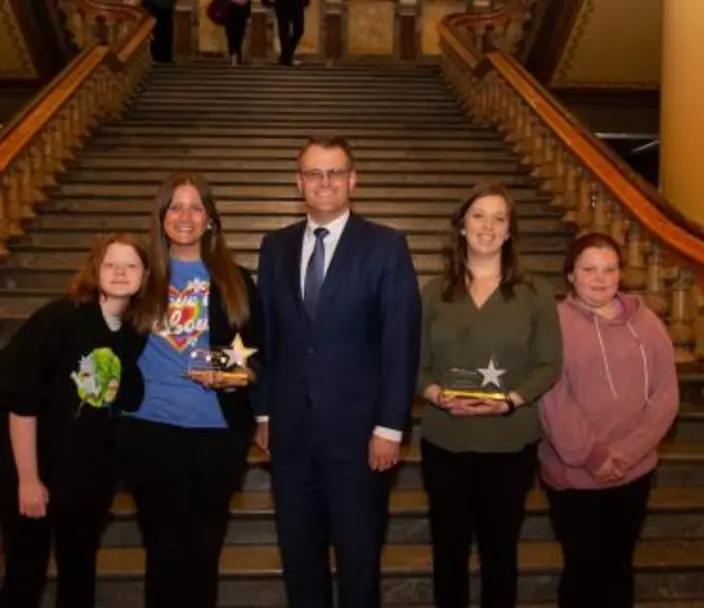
163, 37
238, 14
290, 23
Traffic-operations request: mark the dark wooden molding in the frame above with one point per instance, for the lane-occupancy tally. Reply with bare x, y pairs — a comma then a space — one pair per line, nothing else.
258, 46
333, 36
407, 39
608, 95
551, 40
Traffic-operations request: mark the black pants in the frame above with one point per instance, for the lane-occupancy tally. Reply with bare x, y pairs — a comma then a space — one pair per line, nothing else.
236, 27
182, 481
290, 21
163, 35
598, 531
27, 544
478, 495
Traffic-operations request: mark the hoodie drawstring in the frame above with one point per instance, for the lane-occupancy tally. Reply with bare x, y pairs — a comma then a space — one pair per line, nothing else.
641, 350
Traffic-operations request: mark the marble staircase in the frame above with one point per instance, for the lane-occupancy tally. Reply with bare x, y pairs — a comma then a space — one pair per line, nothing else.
417, 156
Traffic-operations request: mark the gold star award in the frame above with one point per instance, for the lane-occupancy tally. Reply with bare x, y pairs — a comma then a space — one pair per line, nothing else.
480, 383
227, 363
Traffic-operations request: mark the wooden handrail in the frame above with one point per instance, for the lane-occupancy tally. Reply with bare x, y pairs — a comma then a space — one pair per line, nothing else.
93, 89
640, 199
50, 101
55, 82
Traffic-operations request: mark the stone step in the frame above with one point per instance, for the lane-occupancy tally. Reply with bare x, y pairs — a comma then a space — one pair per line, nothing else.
293, 143
327, 122
249, 177
368, 169
186, 127
287, 191
97, 149
370, 209
265, 93
312, 110
319, 118
672, 513
101, 222
242, 241
25, 266
281, 103
251, 575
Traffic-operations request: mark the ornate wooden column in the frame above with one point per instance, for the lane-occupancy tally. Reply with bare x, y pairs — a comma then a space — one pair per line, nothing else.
407, 38
333, 16
258, 37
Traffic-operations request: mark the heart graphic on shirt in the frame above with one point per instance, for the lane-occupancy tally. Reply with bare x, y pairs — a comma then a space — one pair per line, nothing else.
183, 322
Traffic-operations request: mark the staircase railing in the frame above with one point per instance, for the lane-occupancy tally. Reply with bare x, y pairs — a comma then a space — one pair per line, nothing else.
92, 21
93, 89
664, 254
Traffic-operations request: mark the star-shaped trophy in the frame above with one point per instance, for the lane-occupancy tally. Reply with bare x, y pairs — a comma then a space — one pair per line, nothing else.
227, 363
479, 383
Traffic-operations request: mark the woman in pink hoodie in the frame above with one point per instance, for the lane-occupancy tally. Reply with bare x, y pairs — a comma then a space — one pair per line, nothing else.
613, 404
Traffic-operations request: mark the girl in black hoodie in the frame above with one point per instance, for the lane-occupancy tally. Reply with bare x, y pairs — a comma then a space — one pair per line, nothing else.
64, 377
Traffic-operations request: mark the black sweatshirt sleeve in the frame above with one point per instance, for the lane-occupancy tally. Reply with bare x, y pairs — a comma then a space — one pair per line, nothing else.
28, 362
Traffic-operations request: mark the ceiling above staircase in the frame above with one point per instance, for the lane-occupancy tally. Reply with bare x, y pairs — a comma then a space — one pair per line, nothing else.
599, 44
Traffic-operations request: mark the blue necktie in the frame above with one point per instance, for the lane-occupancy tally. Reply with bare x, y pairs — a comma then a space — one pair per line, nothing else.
315, 273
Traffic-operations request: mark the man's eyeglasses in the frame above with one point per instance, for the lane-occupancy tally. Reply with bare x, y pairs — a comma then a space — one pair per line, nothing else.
318, 175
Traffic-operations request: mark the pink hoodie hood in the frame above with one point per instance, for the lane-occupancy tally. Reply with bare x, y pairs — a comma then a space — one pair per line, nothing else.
617, 395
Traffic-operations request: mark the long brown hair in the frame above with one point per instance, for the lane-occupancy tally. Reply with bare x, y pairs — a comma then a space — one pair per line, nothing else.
214, 252
454, 253
85, 284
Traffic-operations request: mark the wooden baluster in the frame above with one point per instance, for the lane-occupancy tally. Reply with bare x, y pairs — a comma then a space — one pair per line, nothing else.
546, 171
617, 225
573, 198
655, 293
514, 135
600, 210
530, 144
571, 185
681, 327
5, 227
635, 274
583, 215
13, 184
28, 194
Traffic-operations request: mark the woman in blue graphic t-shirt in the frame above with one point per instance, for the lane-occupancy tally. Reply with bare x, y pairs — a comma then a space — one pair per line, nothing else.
184, 451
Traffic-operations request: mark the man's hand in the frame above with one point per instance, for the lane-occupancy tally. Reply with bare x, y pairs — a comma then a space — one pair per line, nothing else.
261, 436
33, 498
383, 453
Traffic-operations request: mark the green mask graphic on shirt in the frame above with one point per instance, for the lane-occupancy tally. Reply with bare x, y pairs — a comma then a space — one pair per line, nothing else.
98, 378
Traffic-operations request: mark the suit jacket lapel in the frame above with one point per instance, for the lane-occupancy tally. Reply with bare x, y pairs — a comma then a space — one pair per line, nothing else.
340, 262
294, 265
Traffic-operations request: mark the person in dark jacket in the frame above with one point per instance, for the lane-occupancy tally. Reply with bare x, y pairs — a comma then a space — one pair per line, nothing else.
163, 35
290, 25
238, 15
184, 451
64, 377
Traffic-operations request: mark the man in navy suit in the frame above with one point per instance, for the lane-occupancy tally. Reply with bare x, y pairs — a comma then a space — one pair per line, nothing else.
342, 317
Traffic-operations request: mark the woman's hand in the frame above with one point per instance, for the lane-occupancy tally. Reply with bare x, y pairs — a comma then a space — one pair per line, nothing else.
477, 407
33, 498
610, 471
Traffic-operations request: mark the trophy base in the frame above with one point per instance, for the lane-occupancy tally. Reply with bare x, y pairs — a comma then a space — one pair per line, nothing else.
198, 375
475, 394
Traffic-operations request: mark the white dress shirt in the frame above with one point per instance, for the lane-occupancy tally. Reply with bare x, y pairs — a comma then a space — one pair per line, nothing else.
330, 243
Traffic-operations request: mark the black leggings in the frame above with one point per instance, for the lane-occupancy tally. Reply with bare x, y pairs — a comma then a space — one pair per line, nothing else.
182, 481
476, 495
236, 26
598, 531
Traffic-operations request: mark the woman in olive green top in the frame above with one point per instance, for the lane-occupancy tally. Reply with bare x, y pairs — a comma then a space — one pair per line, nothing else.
500, 328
